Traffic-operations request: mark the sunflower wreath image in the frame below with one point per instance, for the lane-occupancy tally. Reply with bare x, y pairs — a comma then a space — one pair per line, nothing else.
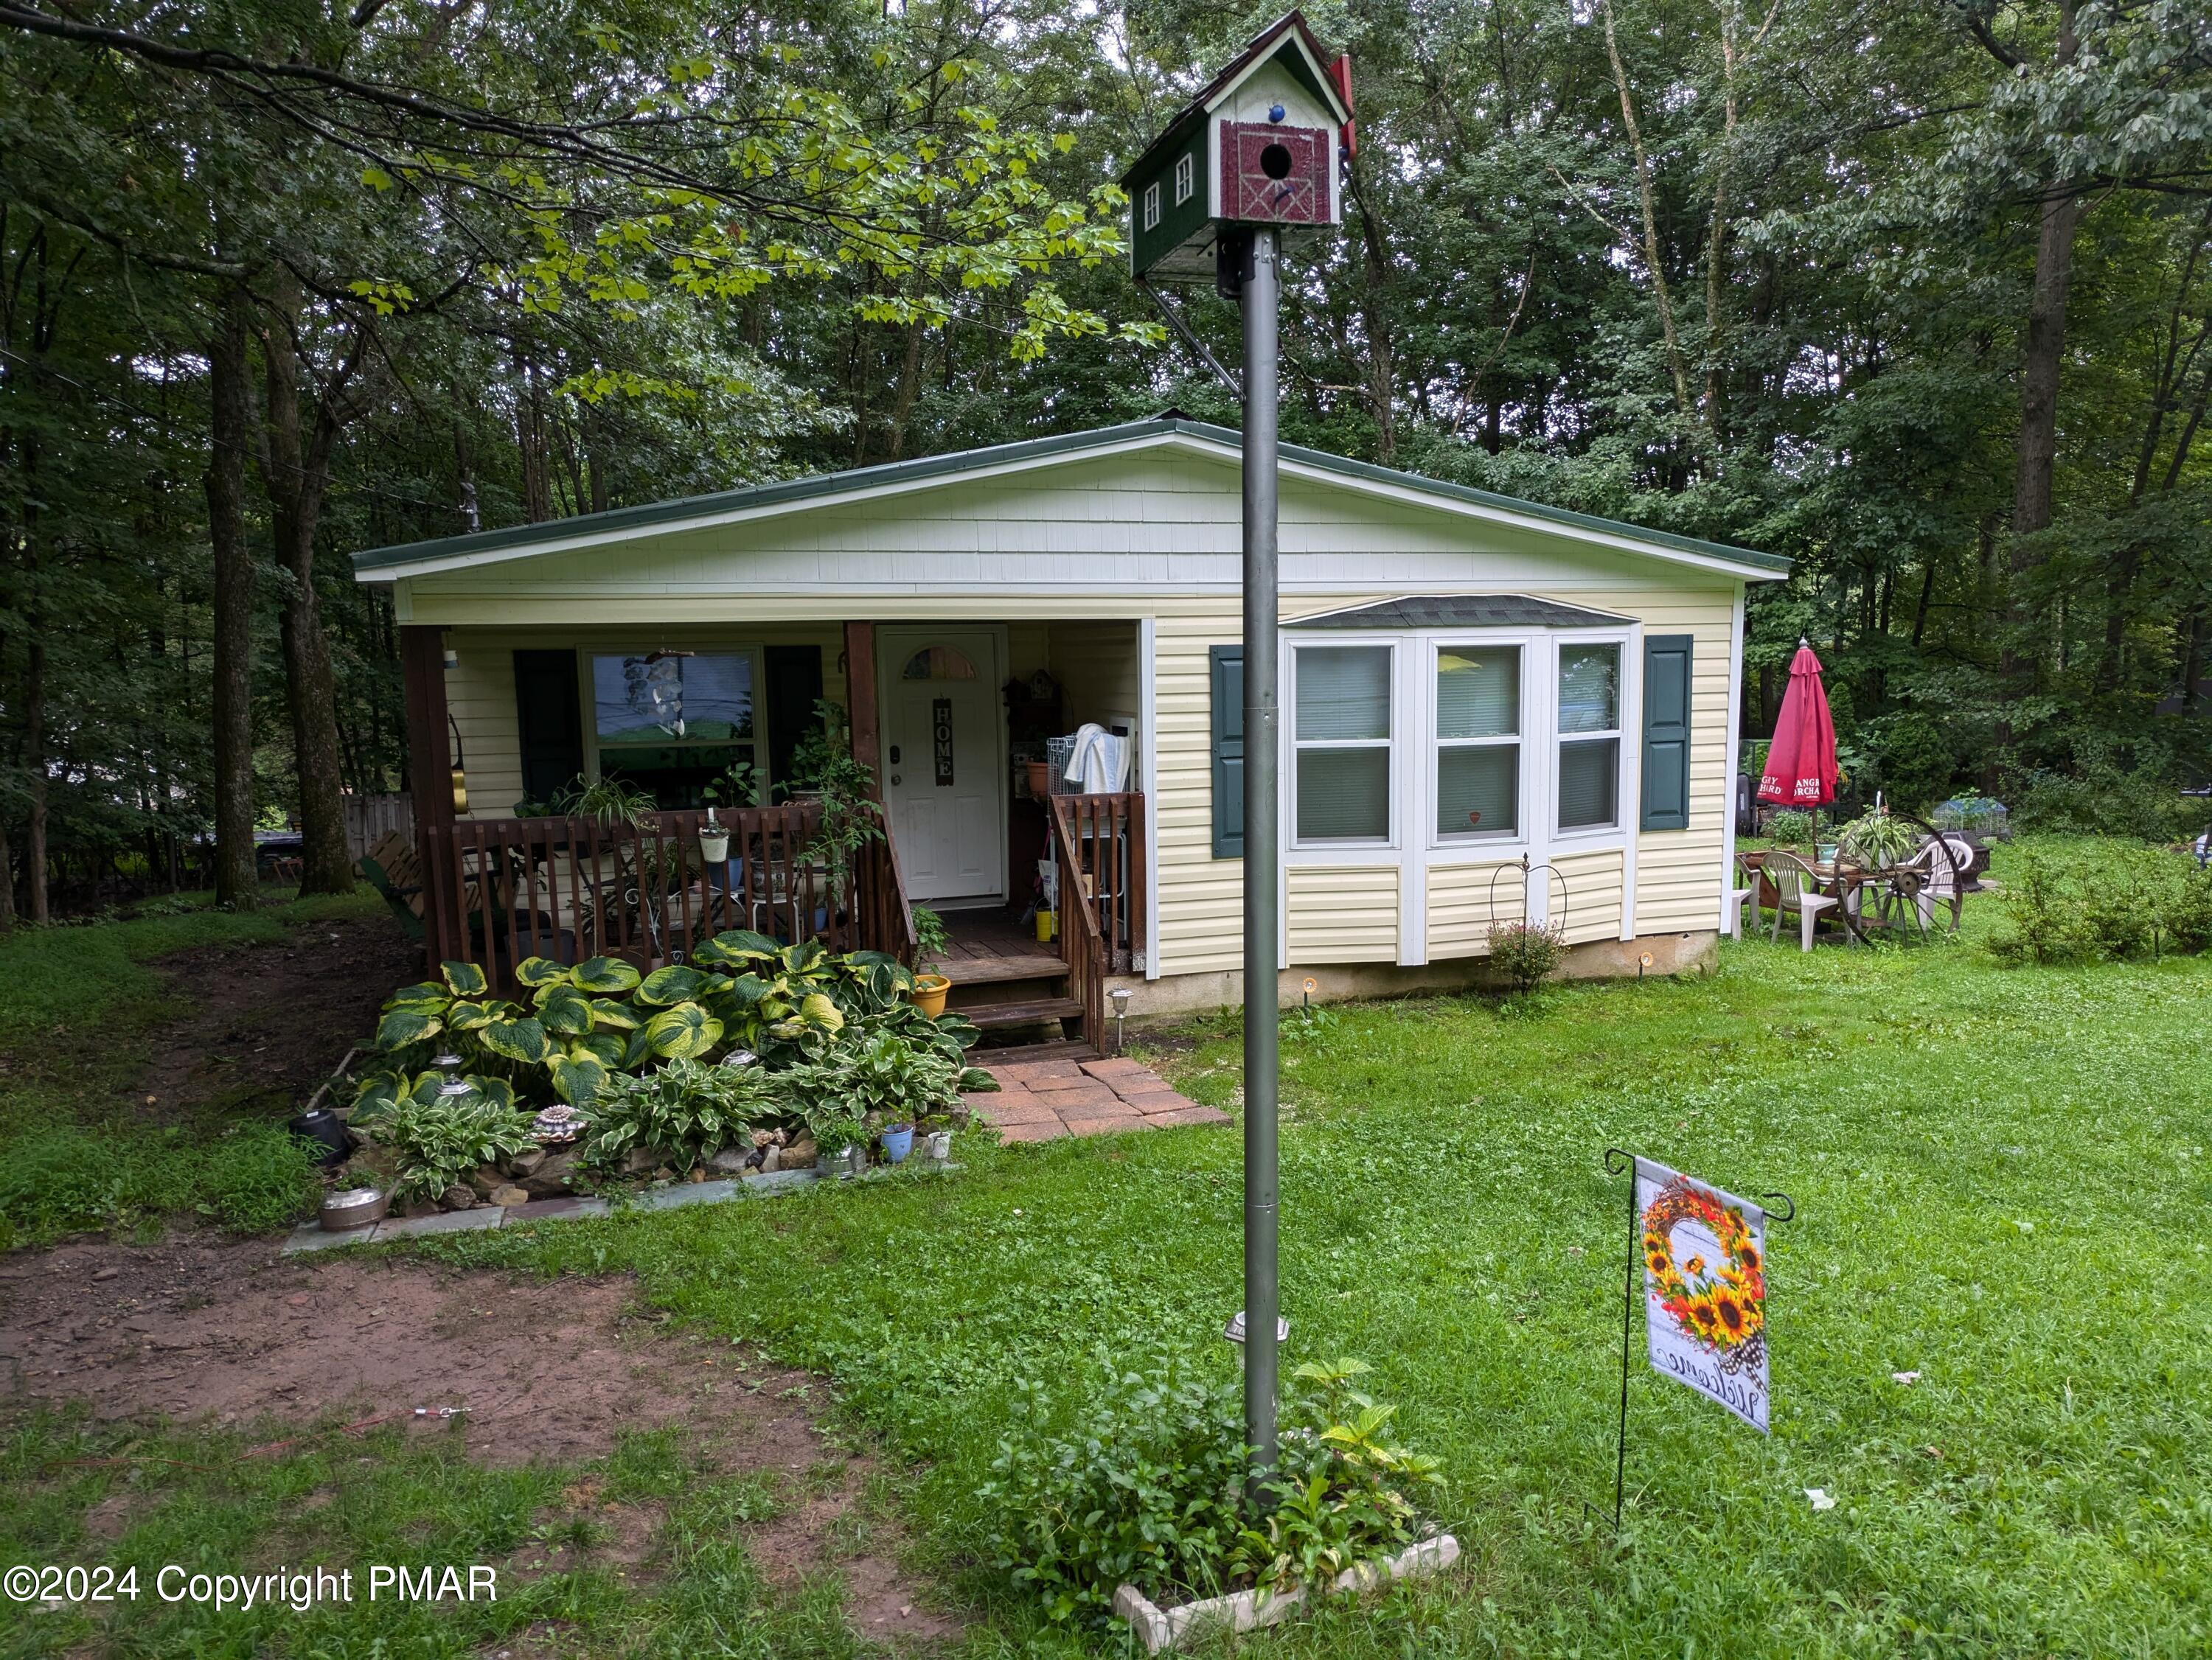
1722, 1305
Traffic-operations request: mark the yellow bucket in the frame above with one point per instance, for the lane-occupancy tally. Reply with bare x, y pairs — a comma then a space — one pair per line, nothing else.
1048, 926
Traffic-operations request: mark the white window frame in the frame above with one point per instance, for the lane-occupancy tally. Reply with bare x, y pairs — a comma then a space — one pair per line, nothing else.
1186, 177
1627, 716
1152, 205
1294, 744
1481, 846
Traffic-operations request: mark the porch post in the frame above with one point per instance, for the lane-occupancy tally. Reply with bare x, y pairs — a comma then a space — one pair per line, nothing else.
430, 782
860, 697
871, 906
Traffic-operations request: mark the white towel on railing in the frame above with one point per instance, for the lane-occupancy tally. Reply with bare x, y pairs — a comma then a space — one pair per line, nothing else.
1100, 761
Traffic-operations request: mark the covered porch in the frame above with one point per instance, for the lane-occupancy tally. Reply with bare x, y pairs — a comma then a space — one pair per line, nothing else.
955, 723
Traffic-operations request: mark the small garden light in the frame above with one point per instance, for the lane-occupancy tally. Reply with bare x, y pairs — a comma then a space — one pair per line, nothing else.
1120, 994
1234, 1332
454, 1087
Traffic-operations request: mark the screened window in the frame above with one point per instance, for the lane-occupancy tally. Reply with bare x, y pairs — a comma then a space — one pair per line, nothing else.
1152, 205
1185, 172
1341, 714
1589, 736
1478, 741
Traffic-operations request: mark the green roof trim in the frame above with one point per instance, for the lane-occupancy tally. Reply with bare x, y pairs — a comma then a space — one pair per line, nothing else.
518, 538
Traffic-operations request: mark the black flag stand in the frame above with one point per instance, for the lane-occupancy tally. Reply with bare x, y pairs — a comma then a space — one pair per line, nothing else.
1616, 1162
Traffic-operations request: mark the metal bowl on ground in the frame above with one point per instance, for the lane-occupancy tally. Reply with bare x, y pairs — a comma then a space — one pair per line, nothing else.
354, 1207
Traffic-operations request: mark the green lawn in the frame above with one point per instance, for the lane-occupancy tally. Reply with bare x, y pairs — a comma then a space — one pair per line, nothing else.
2001, 1179
81, 1008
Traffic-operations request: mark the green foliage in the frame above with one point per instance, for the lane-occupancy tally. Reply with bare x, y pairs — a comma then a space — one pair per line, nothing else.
2123, 901
440, 1141
63, 1178
1877, 839
686, 1112
852, 816
931, 942
1147, 1486
1789, 826
1143, 1486
1526, 953
1343, 1495
871, 1080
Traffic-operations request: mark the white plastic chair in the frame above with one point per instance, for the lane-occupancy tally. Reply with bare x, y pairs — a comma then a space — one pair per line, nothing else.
1797, 889
1743, 900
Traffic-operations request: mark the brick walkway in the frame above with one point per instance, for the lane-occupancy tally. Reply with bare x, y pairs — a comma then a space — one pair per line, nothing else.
1040, 1100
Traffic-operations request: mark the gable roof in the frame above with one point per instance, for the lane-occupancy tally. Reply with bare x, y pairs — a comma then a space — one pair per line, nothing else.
1309, 62
891, 478
1462, 611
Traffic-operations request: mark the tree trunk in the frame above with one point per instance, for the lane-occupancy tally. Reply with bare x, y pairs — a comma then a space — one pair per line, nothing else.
909, 387
295, 468
1652, 253
233, 584
34, 764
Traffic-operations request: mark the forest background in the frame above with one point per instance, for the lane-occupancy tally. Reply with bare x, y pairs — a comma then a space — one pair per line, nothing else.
1916, 293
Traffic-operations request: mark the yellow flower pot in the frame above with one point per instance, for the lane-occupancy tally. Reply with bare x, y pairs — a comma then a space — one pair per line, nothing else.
929, 991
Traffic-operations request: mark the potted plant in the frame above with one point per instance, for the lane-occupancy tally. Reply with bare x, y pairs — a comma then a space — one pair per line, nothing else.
931, 943
898, 1141
713, 841
851, 817
937, 1129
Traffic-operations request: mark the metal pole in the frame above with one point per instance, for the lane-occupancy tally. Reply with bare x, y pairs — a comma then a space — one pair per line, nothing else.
1261, 296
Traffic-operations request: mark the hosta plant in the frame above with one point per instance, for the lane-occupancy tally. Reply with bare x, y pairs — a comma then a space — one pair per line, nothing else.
441, 1139
685, 1111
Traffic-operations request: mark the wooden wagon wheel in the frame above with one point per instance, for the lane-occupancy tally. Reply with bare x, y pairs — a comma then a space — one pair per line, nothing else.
1944, 875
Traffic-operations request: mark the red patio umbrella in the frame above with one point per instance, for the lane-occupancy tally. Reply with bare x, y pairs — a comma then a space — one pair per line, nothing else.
1800, 762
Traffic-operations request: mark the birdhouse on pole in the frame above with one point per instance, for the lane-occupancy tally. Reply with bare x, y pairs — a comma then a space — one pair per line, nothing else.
1262, 144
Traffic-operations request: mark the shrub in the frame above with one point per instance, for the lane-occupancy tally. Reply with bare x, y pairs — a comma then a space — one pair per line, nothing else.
1149, 1486
1144, 1487
1789, 824
1526, 952
440, 1141
2046, 917
687, 1111
872, 1076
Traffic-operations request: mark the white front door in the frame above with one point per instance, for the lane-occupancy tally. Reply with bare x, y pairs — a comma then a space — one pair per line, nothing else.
944, 762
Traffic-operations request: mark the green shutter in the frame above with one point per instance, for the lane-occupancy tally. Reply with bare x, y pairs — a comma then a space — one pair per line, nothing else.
1667, 731
1227, 662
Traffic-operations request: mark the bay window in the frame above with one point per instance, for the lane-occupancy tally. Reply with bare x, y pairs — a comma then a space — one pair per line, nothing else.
1341, 734
1478, 702
1589, 738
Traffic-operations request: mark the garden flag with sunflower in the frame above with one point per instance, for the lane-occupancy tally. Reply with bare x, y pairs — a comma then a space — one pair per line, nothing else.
1705, 1289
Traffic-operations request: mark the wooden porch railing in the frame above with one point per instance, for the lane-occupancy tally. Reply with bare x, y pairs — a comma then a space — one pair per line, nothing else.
1099, 844
570, 889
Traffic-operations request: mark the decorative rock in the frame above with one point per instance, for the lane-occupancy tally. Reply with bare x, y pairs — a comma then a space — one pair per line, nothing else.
458, 1196
484, 1178
638, 1160
510, 1196
800, 1155
525, 1162
698, 1174
551, 1177
731, 1159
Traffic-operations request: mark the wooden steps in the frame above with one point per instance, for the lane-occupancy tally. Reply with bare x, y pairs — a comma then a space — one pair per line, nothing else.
1014, 1054
990, 971
990, 1015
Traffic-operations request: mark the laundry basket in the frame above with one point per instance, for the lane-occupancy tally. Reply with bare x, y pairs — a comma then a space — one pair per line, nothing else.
1058, 752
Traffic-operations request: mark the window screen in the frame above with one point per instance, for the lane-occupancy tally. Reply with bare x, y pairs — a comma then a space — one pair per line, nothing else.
1478, 741
1589, 736
1341, 716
